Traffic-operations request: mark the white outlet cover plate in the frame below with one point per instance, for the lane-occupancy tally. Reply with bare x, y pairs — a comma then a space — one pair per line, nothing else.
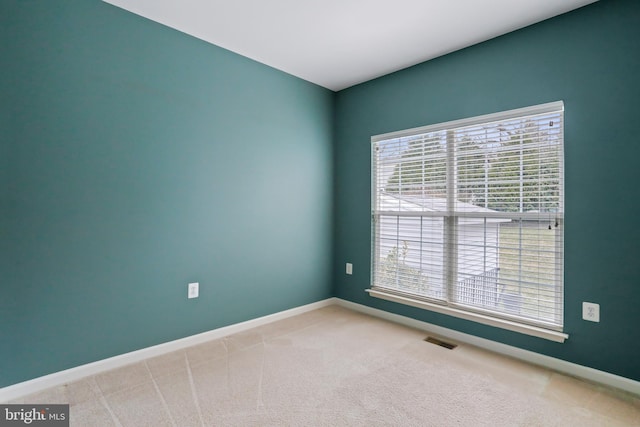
193, 290
591, 311
349, 268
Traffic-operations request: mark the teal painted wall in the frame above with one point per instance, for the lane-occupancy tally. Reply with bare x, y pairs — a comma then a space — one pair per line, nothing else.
590, 59
7, 304
136, 159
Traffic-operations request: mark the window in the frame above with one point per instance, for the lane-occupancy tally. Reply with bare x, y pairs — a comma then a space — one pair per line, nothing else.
468, 219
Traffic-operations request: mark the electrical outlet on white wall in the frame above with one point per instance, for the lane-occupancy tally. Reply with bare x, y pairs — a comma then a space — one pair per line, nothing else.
591, 311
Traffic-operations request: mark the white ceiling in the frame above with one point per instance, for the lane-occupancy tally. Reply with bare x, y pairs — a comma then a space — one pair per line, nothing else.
340, 43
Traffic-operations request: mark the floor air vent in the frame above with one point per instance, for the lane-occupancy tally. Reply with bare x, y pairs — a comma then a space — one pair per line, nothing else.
436, 341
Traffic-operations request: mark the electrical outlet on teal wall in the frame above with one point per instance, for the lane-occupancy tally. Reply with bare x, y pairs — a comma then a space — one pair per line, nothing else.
588, 59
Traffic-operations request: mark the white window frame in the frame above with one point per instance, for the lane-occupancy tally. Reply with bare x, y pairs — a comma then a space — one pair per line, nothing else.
538, 329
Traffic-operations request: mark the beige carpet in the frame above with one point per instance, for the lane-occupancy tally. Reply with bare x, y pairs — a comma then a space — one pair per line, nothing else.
333, 367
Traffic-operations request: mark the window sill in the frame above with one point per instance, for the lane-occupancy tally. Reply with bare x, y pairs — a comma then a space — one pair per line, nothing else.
475, 317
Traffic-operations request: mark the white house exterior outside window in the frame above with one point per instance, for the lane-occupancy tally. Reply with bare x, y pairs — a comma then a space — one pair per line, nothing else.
468, 218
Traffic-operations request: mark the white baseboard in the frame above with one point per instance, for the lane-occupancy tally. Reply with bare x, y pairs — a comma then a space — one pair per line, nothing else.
35, 385
553, 363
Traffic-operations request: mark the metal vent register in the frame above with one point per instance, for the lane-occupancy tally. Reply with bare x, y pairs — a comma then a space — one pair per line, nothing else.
441, 343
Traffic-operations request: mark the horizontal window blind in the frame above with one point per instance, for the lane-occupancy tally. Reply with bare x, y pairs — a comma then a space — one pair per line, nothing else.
470, 214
